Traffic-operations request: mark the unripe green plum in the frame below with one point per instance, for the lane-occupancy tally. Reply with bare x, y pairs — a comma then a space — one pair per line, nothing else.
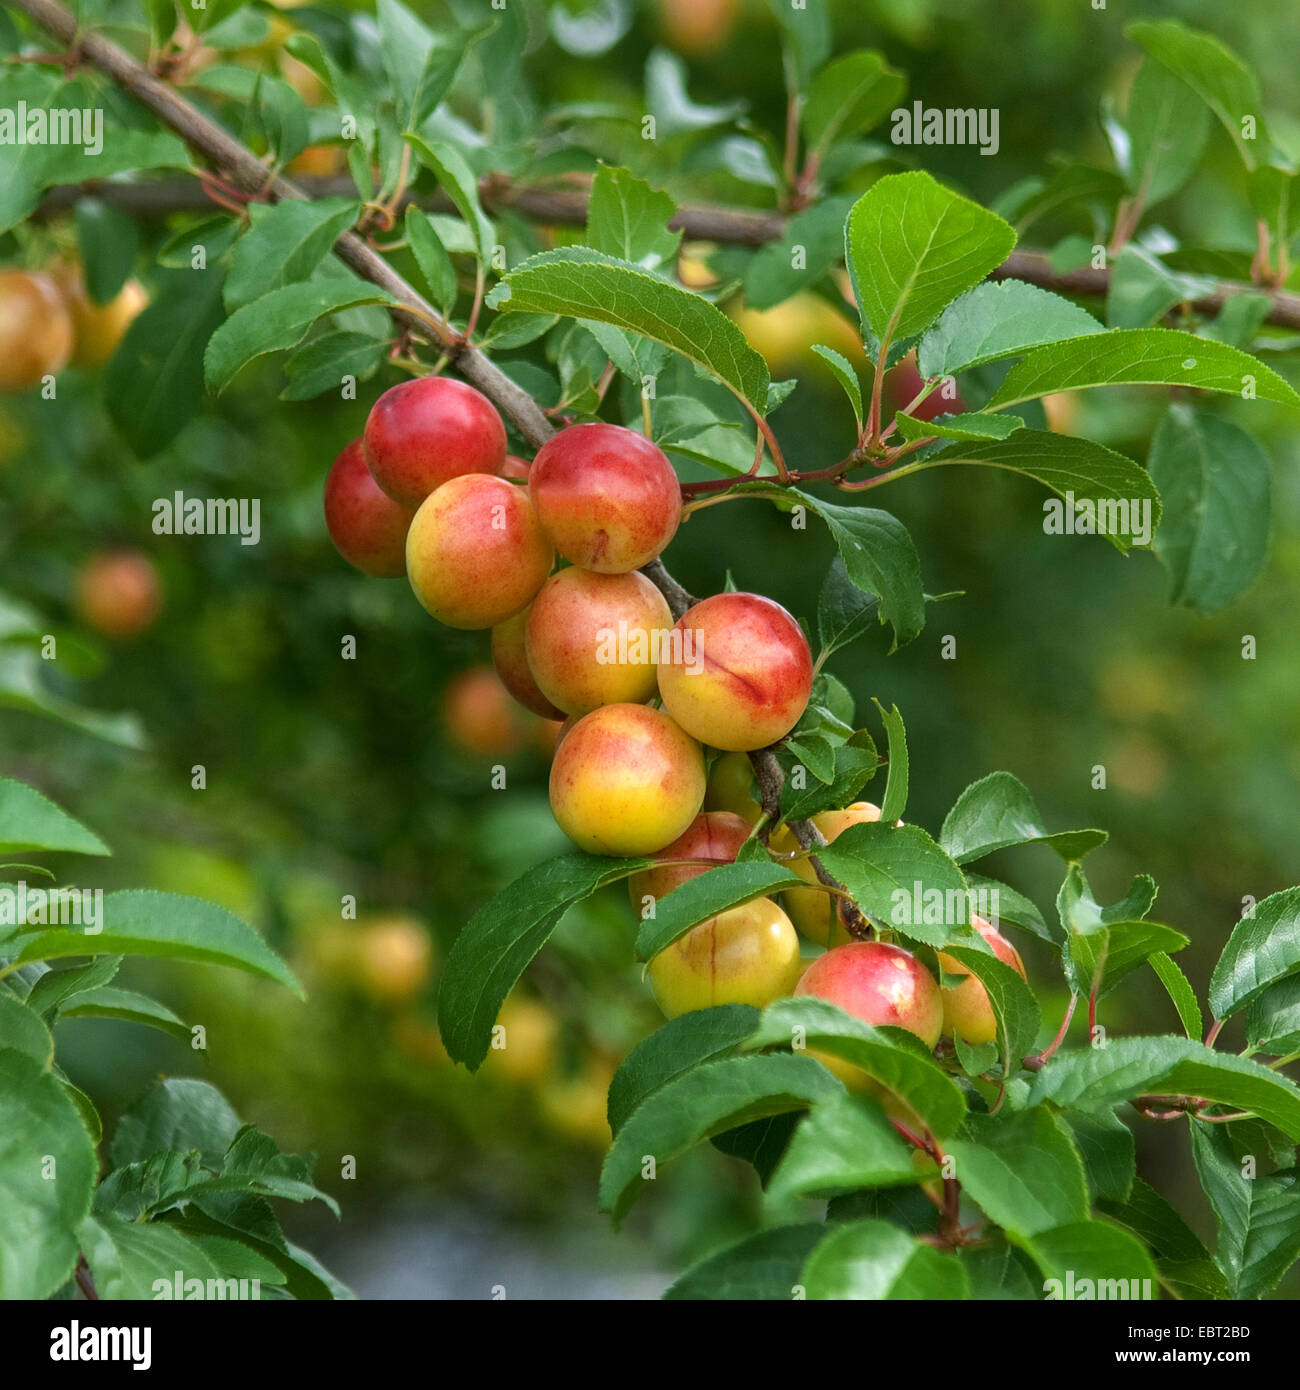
511, 660
715, 836
880, 984
737, 672
746, 955
626, 780
475, 553
967, 1013
367, 527
422, 433
592, 639
606, 495
731, 787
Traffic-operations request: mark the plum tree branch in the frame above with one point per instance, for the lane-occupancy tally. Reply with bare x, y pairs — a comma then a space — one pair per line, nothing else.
567, 206
246, 173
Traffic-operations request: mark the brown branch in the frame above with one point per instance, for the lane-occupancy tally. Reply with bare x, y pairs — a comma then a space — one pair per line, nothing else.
567, 206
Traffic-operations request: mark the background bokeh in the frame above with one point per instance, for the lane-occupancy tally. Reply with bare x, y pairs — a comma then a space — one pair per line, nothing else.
328, 776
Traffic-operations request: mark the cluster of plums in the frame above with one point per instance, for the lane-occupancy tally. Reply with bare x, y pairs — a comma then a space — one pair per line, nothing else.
429, 491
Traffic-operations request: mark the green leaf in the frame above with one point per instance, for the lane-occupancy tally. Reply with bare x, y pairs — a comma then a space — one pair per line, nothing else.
176, 1114
879, 558
1222, 81
844, 612
1143, 289
847, 377
51, 993
432, 258
47, 1173
1092, 1256
30, 821
897, 1061
1215, 481
1273, 1023
284, 244
767, 1265
848, 96
627, 219
109, 241
1259, 1217
127, 1258
1015, 1009
999, 1272
1103, 1077
1262, 948
582, 283
874, 1260
996, 320
973, 426
1239, 321
280, 320
899, 876
1142, 357
1182, 1261
144, 923
1023, 1170
997, 812
128, 1006
705, 896
1167, 126
322, 365
497, 943
22, 1028
1105, 1144
844, 1143
913, 247
700, 1036
705, 1101
811, 244
1181, 992
1103, 945
448, 166
852, 769
1009, 906
1101, 492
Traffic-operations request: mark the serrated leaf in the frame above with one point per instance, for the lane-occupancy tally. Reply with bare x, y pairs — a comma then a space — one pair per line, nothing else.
706, 1100
1105, 1143
1143, 289
127, 1258
996, 320
705, 896
853, 769
628, 219
900, 1064
497, 943
458, 182
284, 244
30, 821
1273, 1023
432, 258
51, 993
1008, 905
1168, 126
168, 925
1142, 357
892, 872
850, 95
39, 1217
280, 320
997, 812
913, 247
1215, 483
844, 611
973, 426
843, 371
1106, 1260
1180, 991
767, 1265
582, 283
1101, 492
322, 364
1182, 1261
811, 244
1023, 1170
128, 1006
1262, 948
872, 1260
844, 1143
1103, 1077
176, 1114
1015, 1009
682, 1043
23, 1029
